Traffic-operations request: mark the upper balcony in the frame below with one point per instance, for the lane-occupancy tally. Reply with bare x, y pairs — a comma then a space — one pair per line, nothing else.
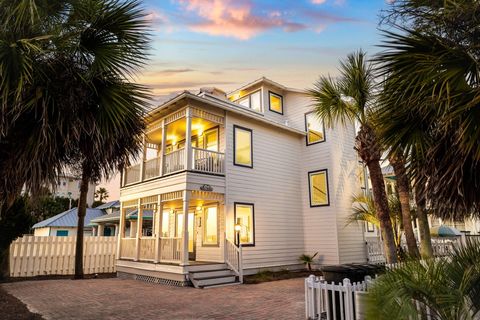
190, 139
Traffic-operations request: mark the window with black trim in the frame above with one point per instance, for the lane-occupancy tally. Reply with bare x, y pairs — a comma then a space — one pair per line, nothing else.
242, 147
275, 102
315, 129
318, 188
252, 101
245, 216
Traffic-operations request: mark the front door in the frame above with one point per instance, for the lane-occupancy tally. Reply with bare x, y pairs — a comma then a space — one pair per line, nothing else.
192, 234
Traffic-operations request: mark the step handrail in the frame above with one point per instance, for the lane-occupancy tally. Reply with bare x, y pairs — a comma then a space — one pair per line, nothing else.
233, 258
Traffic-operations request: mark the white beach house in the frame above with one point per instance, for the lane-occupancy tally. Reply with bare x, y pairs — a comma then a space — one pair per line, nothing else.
257, 161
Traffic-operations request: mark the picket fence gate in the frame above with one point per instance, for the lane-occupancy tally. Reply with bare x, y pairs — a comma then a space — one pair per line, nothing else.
32, 256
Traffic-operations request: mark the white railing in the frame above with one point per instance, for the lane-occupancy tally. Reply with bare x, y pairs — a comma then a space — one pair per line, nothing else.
332, 301
147, 249
37, 256
233, 258
170, 249
152, 168
208, 161
128, 248
132, 174
174, 161
375, 252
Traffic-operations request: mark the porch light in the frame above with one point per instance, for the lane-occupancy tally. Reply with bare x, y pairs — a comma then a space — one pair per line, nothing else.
198, 208
238, 228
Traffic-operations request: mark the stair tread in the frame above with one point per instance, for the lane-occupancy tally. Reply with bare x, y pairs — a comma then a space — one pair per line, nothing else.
215, 277
223, 284
201, 271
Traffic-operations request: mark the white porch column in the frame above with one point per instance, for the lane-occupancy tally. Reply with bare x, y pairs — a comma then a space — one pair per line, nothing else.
158, 229
115, 230
100, 230
139, 230
188, 139
143, 157
162, 146
121, 234
186, 200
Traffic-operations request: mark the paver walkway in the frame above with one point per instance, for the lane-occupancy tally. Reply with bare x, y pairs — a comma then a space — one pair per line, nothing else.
130, 299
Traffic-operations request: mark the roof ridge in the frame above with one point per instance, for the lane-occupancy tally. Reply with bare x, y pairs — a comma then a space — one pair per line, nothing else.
57, 216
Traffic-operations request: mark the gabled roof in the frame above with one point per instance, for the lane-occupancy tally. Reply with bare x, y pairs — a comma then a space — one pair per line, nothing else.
111, 217
108, 205
268, 81
69, 218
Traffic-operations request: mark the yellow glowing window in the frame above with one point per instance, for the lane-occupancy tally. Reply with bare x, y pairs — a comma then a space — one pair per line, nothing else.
276, 102
242, 144
165, 224
318, 184
244, 215
314, 126
211, 140
210, 231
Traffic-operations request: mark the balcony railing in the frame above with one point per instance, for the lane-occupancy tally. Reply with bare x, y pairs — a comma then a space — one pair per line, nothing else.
174, 161
203, 160
208, 161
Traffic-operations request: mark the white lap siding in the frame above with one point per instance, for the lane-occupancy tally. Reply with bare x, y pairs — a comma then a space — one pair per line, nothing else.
273, 186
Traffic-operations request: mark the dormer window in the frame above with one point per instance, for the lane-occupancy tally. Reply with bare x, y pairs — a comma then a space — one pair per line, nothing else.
252, 101
276, 102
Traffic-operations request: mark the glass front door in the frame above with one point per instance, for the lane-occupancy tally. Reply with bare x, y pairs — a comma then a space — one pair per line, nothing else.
191, 233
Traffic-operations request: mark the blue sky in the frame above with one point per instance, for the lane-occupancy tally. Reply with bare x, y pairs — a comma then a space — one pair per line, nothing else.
226, 43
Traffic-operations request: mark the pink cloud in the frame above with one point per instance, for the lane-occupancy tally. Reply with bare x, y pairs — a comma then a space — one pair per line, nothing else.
318, 1
235, 18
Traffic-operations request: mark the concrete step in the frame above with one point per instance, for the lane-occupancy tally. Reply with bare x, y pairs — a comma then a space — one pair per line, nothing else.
208, 281
211, 273
207, 267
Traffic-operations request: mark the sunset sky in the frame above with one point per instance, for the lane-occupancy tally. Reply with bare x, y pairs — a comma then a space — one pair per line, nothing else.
226, 43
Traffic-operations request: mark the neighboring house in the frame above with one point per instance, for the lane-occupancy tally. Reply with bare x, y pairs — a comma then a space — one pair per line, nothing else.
65, 223
68, 186
256, 160
107, 224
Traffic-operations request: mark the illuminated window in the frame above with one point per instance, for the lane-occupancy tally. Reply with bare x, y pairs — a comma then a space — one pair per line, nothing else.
242, 147
276, 102
252, 101
318, 187
314, 127
210, 231
180, 225
165, 223
244, 215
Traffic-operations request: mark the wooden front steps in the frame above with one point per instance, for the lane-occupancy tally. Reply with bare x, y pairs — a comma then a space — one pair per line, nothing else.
212, 275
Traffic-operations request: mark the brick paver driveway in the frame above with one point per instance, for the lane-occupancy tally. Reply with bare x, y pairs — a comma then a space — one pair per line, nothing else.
130, 299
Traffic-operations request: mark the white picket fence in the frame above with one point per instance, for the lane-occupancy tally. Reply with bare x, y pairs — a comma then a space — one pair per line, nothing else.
332, 301
33, 256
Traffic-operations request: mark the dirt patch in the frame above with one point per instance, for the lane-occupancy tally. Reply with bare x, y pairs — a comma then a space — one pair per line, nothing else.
267, 276
14, 309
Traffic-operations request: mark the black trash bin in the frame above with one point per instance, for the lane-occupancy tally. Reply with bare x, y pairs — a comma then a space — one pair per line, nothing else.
355, 272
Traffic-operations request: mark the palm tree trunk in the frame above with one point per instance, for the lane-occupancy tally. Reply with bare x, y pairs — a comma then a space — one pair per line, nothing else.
381, 206
403, 187
426, 249
82, 210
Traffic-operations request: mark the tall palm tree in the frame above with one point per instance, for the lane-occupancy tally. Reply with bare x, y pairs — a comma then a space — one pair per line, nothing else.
449, 288
347, 100
403, 187
67, 94
430, 105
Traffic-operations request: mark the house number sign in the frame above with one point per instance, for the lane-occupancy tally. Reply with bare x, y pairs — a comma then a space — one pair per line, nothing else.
206, 187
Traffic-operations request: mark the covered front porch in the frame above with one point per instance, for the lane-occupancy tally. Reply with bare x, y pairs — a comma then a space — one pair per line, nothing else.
164, 235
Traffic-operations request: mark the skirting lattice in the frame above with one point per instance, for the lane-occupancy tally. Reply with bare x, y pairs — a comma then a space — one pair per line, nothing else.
150, 279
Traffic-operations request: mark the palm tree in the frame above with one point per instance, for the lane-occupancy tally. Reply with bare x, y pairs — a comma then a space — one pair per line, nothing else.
307, 260
364, 210
449, 288
429, 107
347, 100
80, 106
403, 187
101, 194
